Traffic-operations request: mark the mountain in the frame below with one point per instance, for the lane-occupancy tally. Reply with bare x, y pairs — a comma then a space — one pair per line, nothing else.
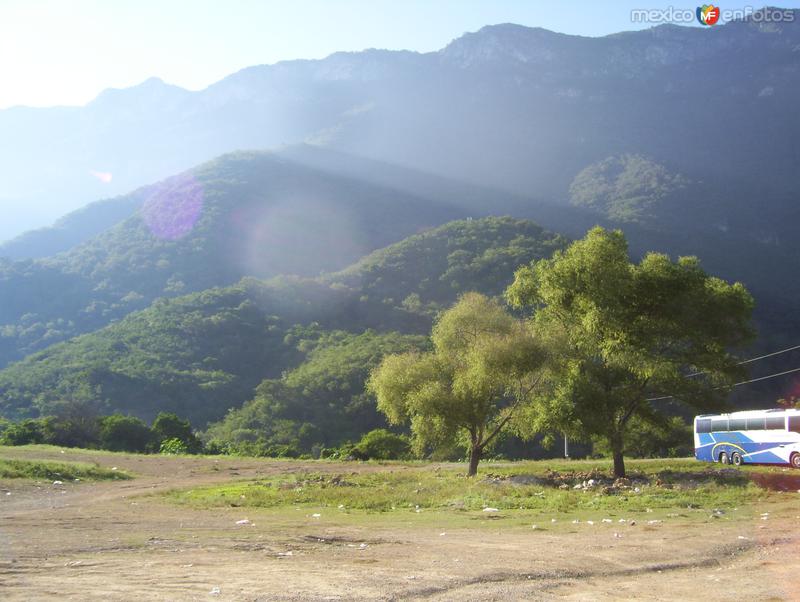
514, 108
74, 228
244, 214
204, 353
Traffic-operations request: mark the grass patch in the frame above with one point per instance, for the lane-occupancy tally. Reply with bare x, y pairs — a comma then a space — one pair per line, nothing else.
62, 471
545, 487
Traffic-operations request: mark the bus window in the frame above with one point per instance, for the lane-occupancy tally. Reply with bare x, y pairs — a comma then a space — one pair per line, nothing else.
737, 424
776, 423
719, 425
756, 424
794, 424
704, 425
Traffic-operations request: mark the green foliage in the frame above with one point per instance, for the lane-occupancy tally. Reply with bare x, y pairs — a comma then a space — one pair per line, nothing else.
427, 272
665, 487
196, 355
381, 444
322, 402
628, 188
168, 427
62, 471
261, 216
124, 433
670, 438
23, 433
204, 353
481, 372
623, 333
173, 446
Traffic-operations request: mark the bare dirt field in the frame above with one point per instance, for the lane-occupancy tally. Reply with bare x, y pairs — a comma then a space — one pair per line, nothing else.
116, 540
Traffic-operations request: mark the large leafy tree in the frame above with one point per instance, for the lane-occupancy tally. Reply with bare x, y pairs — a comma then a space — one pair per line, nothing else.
481, 374
629, 332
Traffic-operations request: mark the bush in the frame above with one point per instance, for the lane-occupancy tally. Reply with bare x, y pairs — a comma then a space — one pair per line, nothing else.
169, 426
23, 433
124, 433
172, 447
381, 444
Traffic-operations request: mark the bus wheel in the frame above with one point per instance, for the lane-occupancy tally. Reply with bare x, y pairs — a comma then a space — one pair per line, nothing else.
723, 458
736, 459
795, 460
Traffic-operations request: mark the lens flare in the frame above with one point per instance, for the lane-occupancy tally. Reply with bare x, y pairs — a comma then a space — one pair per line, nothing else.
104, 176
173, 210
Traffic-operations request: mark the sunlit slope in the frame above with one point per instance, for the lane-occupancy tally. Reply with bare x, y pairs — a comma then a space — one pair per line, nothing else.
244, 214
203, 353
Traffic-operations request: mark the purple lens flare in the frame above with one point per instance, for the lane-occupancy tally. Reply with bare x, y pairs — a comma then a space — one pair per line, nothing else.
173, 210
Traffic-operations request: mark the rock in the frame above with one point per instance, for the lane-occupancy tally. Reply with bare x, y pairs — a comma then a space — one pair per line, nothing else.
244, 521
215, 591
57, 483
491, 510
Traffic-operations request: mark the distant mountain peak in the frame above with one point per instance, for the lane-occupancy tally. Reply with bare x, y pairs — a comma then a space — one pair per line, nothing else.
153, 89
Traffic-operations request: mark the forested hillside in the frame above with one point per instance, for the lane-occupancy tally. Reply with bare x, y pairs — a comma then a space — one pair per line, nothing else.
245, 214
204, 353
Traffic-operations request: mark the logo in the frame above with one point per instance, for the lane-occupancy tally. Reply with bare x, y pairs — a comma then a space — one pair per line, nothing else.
708, 14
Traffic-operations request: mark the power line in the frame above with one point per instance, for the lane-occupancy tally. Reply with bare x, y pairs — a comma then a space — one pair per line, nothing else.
752, 359
744, 382
761, 357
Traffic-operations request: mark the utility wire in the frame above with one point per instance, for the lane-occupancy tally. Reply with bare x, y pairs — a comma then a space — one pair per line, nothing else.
752, 359
744, 382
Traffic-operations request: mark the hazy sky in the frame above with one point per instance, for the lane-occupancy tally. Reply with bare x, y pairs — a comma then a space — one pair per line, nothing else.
67, 51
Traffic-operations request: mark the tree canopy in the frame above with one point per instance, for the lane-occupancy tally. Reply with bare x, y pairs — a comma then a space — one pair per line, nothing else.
625, 333
483, 368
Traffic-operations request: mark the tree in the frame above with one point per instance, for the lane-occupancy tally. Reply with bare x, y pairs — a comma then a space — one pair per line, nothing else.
124, 433
483, 369
629, 332
23, 433
170, 426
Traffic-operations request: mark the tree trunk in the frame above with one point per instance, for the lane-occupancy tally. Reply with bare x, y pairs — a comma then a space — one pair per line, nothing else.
474, 457
619, 460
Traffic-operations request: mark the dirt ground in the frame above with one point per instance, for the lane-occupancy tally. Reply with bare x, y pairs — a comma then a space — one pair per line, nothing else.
116, 541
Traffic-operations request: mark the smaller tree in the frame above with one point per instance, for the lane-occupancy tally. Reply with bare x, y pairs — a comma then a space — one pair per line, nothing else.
23, 433
169, 426
482, 371
124, 433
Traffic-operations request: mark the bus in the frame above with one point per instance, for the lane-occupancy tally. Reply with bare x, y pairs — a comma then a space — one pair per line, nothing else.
752, 437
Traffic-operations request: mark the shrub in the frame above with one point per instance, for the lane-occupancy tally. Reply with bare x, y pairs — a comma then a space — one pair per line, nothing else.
381, 444
23, 433
173, 446
169, 426
124, 433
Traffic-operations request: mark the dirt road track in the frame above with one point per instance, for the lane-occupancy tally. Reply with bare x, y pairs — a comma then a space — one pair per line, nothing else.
115, 541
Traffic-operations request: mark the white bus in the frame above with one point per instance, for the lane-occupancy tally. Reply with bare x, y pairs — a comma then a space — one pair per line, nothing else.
752, 437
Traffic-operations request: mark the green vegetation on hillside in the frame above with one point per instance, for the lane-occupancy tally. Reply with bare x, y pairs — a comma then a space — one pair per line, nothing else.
204, 353
245, 214
427, 272
628, 188
321, 403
